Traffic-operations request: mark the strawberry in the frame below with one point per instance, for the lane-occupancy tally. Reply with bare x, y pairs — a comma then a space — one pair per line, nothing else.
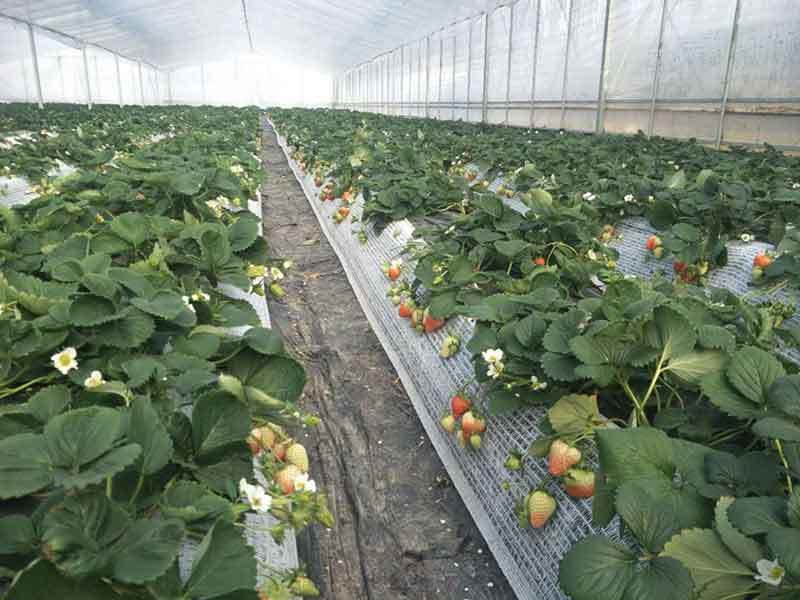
261, 438
429, 323
658, 252
540, 506
471, 175
579, 483
296, 454
757, 273
279, 450
393, 272
450, 347
762, 261
653, 242
346, 195
343, 212
317, 181
285, 478
561, 458
276, 290
462, 438
304, 587
540, 261
459, 405
448, 423
406, 309
679, 266
475, 441
472, 423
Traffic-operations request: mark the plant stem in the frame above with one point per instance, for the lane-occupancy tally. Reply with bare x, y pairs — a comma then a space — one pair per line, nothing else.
24, 386
779, 448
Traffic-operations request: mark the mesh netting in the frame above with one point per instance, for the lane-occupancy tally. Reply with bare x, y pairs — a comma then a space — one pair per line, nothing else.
529, 558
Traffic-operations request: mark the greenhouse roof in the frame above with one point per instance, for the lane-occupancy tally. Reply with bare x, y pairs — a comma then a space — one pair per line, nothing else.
169, 33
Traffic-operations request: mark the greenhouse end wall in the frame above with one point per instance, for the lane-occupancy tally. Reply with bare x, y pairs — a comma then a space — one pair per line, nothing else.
720, 71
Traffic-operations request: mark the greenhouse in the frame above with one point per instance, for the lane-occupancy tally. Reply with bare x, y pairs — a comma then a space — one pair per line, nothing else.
400, 300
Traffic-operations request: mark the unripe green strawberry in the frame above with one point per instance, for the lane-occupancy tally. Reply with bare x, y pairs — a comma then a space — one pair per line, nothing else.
561, 458
475, 441
296, 454
658, 252
450, 346
449, 423
757, 273
276, 290
513, 463
579, 483
303, 586
540, 506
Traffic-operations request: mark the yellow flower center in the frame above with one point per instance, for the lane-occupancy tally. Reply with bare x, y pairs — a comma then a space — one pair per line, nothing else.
64, 360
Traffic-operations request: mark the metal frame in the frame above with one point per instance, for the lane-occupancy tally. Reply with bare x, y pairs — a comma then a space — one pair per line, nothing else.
428, 77
469, 67
600, 116
728, 69
657, 70
402, 69
485, 108
534, 61
510, 54
86, 79
35, 57
441, 71
453, 80
119, 80
169, 87
141, 83
566, 67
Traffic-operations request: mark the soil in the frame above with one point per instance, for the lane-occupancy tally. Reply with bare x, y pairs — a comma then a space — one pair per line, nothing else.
402, 531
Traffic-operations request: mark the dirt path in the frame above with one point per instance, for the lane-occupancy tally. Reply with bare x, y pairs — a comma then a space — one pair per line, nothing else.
402, 532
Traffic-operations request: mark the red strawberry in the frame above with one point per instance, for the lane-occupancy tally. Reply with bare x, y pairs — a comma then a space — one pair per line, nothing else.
261, 438
762, 261
459, 405
540, 506
393, 272
429, 323
279, 450
343, 212
285, 478
540, 261
679, 266
406, 309
471, 423
346, 195
653, 242
579, 483
562, 456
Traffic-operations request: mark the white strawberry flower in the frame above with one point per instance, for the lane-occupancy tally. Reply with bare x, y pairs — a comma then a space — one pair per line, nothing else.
188, 302
495, 370
746, 237
200, 296
288, 264
95, 379
237, 169
397, 262
256, 496
629, 198
493, 356
303, 484
66, 360
770, 572
589, 196
591, 255
538, 385
276, 273
796, 186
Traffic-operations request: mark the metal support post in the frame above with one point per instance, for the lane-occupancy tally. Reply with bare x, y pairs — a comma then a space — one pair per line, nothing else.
427, 77
485, 96
119, 79
535, 58
141, 83
508, 66
566, 68
657, 70
728, 70
35, 57
86, 78
402, 69
453, 82
169, 87
599, 124
441, 69
469, 70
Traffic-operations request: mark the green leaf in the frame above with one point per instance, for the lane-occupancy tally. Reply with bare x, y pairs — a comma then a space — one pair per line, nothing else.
651, 519
595, 568
24, 465
280, 377
785, 395
146, 429
224, 564
725, 397
165, 304
693, 366
187, 183
49, 402
264, 341
715, 571
79, 532
511, 248
793, 508
635, 454
560, 367
562, 330
131, 331
777, 428
195, 505
752, 371
42, 577
754, 516
661, 577
670, 332
202, 345
218, 420
82, 435
529, 331
747, 550
243, 233
785, 546
715, 337
131, 227
146, 550
17, 535
575, 413
140, 370
88, 311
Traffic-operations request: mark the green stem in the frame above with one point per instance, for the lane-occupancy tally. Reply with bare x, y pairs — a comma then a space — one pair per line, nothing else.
138, 489
24, 386
779, 447
639, 408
